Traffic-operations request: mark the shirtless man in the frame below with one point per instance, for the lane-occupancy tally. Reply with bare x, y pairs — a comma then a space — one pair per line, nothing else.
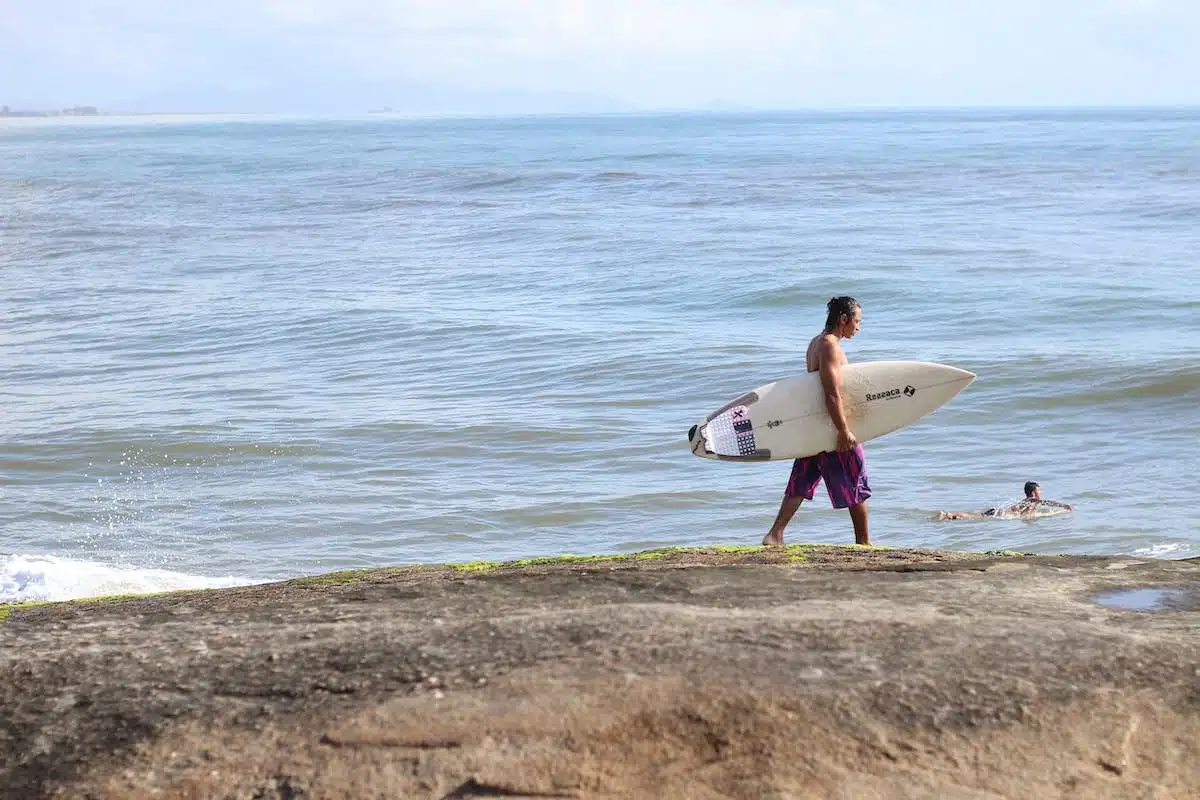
844, 470
1028, 507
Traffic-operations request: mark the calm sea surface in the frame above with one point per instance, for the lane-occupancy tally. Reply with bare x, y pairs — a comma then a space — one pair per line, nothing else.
240, 349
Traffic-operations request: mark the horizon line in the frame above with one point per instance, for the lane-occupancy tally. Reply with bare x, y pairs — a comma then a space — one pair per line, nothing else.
731, 109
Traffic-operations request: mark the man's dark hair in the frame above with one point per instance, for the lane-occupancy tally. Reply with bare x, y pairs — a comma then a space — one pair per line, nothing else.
1029, 487
837, 307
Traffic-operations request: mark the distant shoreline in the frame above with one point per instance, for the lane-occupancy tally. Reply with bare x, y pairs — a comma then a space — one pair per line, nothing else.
73, 111
387, 111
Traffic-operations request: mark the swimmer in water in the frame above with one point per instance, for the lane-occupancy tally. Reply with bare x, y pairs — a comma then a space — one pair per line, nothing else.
1029, 507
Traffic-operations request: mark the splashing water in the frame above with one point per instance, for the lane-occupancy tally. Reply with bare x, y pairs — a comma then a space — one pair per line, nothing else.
49, 578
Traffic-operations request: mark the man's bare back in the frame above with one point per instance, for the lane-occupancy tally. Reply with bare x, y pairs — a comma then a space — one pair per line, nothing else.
824, 346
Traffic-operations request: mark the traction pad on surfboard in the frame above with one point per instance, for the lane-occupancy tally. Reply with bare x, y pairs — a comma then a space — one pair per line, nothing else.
731, 433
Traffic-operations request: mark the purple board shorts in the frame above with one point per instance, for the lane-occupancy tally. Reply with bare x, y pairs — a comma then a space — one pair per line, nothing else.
845, 477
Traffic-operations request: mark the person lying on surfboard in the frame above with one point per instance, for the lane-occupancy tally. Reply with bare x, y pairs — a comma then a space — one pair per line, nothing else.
1031, 506
844, 470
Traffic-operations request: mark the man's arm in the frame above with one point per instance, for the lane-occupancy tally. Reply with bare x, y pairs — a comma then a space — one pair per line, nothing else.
1054, 504
942, 515
829, 352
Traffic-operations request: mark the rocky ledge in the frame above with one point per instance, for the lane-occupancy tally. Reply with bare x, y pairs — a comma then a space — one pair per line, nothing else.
809, 671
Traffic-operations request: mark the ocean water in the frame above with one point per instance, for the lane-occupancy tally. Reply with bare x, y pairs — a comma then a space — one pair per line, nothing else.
241, 349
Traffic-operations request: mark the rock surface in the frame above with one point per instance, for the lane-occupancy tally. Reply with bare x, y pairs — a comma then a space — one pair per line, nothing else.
807, 672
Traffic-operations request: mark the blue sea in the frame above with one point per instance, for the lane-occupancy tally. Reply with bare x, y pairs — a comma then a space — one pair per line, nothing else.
237, 349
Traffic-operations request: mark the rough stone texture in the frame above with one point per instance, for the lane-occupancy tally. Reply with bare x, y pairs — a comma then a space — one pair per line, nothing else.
854, 673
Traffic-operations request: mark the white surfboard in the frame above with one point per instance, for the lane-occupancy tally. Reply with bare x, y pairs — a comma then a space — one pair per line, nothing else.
788, 419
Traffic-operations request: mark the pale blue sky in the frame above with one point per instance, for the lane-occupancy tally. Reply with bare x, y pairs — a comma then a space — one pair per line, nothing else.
496, 55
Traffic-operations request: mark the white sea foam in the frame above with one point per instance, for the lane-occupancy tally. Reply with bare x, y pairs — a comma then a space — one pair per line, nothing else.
34, 577
1173, 549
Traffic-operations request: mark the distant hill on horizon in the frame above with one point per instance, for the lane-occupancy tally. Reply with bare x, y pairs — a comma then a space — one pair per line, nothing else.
331, 97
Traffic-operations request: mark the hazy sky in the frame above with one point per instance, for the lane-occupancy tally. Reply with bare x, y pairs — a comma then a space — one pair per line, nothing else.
340, 54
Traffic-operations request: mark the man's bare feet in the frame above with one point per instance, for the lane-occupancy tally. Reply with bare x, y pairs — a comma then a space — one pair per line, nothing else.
787, 508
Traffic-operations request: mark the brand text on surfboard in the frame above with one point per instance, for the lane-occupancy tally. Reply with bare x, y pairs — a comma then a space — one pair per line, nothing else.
908, 391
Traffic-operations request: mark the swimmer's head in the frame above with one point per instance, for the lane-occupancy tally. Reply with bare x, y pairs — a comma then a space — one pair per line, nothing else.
1033, 491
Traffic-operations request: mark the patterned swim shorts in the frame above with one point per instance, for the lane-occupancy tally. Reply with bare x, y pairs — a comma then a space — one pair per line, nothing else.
845, 475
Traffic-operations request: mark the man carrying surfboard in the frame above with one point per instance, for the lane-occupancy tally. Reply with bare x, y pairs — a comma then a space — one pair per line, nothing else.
843, 470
